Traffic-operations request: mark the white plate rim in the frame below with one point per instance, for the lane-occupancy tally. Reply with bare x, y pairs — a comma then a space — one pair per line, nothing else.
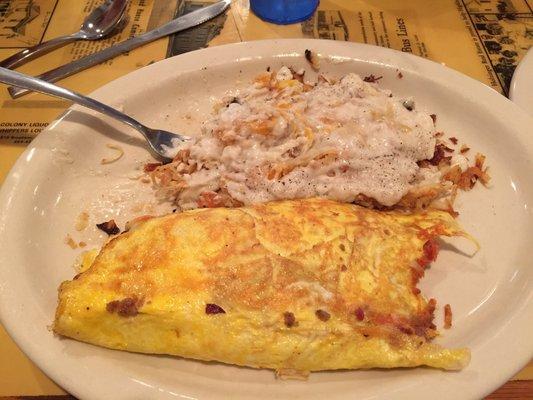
522, 83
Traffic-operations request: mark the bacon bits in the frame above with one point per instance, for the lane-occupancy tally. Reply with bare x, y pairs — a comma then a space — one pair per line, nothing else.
128, 307
434, 118
289, 319
431, 250
423, 324
371, 78
453, 140
109, 227
447, 316
209, 200
211, 308
406, 329
439, 155
322, 315
149, 167
359, 314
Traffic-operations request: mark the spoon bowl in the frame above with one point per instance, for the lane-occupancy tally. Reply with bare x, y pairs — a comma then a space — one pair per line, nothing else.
103, 21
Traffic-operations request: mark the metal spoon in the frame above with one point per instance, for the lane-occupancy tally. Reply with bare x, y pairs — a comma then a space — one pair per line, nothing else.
157, 139
101, 22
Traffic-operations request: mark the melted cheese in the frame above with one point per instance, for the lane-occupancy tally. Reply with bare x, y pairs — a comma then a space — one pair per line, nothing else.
335, 140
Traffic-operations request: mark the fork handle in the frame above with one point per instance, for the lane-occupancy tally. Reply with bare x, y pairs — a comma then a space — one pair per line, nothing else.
22, 57
35, 84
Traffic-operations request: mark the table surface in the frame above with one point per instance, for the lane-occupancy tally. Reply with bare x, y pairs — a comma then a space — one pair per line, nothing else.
474, 53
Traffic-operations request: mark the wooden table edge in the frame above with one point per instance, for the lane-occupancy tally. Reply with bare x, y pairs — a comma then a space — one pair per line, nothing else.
519, 389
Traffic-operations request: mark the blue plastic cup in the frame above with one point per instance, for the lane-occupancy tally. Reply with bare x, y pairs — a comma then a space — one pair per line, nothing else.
284, 12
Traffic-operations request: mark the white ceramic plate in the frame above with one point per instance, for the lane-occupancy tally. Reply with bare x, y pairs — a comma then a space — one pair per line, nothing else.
60, 175
521, 90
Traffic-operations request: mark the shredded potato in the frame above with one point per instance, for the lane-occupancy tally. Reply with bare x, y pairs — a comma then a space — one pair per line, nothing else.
70, 242
117, 156
82, 221
447, 316
343, 139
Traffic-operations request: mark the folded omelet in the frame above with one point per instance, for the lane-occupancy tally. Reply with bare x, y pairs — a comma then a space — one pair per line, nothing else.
293, 286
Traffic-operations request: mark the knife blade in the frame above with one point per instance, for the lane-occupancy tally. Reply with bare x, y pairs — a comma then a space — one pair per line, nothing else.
179, 24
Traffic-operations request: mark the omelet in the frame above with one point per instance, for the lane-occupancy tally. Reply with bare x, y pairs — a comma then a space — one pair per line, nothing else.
294, 286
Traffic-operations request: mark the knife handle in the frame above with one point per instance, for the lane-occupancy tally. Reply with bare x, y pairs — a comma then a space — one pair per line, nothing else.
23, 56
69, 69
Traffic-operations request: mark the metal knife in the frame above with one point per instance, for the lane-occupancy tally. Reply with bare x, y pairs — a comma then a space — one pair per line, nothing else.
186, 21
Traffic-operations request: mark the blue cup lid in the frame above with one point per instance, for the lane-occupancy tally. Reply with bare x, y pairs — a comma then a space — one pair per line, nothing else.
283, 12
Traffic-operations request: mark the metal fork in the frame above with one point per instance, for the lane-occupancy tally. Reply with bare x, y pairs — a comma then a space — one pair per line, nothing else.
157, 139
